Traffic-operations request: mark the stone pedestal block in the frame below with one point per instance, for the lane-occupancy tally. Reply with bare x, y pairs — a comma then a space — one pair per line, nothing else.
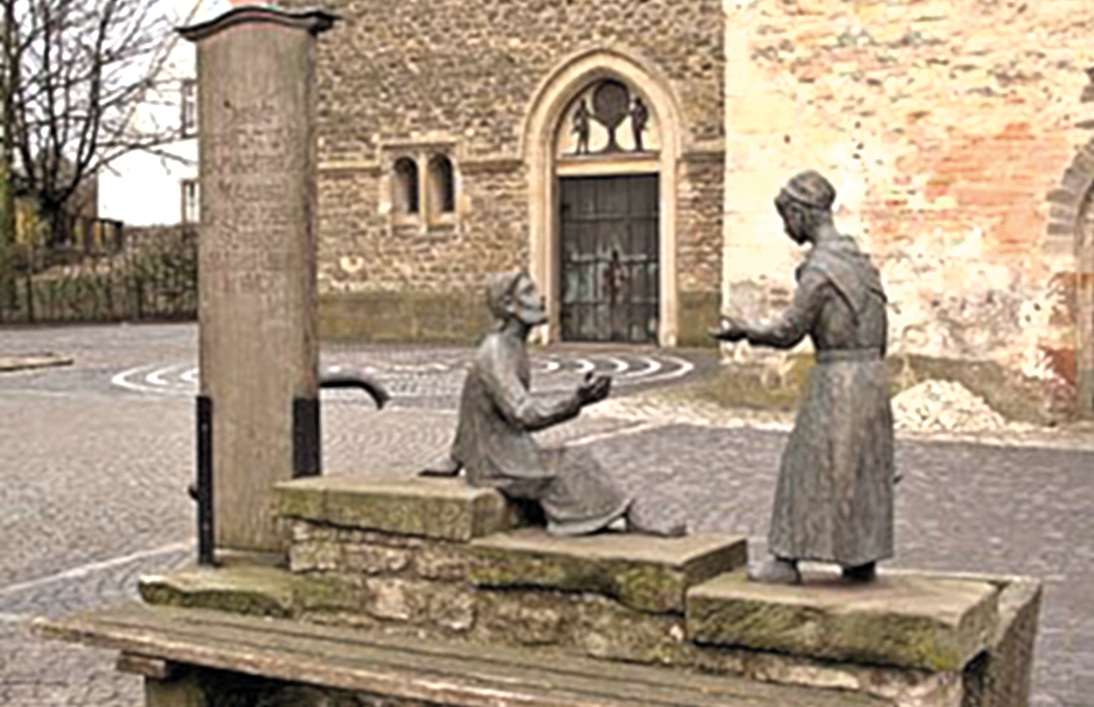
445, 509
1007, 667
254, 591
258, 304
642, 572
909, 621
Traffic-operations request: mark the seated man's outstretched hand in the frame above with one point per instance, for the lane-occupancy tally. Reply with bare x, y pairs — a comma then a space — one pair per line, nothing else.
593, 390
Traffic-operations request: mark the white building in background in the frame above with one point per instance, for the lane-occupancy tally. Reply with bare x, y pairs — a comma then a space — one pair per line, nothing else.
145, 189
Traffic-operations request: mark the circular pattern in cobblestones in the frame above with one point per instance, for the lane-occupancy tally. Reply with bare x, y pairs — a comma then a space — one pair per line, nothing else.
440, 373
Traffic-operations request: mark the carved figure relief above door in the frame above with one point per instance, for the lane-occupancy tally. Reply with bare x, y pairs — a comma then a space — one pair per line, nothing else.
608, 118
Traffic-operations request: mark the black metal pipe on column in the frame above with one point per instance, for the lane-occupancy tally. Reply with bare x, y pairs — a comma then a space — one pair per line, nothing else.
305, 444
202, 493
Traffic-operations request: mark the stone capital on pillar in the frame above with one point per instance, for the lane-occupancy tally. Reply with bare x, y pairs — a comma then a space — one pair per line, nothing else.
313, 21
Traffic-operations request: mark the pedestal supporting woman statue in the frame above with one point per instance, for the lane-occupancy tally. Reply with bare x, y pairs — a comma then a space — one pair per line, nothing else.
834, 501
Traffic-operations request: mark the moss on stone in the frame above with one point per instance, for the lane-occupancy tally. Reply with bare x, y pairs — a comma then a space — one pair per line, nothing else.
446, 509
751, 386
253, 590
650, 574
326, 593
299, 501
461, 317
904, 621
656, 589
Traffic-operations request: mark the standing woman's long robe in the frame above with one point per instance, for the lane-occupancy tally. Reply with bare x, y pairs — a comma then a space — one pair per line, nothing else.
834, 500
494, 444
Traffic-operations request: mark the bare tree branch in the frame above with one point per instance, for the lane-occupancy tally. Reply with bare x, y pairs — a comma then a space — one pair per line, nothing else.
79, 69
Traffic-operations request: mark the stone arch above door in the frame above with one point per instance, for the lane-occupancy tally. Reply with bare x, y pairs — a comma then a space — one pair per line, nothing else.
548, 115
1072, 224
1084, 309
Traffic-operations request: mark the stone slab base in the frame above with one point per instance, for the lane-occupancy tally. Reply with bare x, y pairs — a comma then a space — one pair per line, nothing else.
250, 590
412, 558
446, 509
580, 624
1006, 666
908, 621
648, 574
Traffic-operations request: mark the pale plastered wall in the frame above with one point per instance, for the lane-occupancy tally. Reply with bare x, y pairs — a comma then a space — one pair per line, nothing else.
943, 125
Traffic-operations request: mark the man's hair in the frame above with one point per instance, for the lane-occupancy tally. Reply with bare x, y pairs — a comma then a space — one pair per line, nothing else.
499, 292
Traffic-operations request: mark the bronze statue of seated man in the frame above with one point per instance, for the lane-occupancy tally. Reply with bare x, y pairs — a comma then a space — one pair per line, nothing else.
498, 415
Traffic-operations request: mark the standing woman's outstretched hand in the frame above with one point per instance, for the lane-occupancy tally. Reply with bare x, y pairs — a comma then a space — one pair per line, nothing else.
729, 329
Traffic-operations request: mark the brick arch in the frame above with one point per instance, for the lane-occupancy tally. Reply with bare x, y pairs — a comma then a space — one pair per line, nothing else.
541, 124
1072, 217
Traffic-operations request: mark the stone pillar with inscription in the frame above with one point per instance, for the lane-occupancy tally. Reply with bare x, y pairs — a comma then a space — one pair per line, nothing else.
257, 266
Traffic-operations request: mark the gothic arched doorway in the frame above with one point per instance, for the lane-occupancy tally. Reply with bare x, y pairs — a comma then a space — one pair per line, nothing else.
608, 216
579, 183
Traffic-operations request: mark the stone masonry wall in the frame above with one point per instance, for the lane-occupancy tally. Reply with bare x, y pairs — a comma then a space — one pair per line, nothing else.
458, 77
468, 69
699, 249
699, 260
419, 585
361, 249
945, 126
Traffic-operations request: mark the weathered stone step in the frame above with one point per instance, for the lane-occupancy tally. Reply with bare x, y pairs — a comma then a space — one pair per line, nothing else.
371, 664
903, 620
445, 509
643, 572
254, 590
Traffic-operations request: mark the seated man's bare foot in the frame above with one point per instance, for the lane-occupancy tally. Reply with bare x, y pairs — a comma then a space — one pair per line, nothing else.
674, 529
776, 571
660, 516
446, 467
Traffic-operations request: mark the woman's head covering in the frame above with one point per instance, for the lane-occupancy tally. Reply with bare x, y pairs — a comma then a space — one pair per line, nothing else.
808, 189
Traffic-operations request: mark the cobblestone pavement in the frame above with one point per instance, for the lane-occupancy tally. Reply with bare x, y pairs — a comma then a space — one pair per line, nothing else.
94, 476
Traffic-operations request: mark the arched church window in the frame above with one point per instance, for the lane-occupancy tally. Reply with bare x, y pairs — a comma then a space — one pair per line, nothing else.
607, 119
442, 186
405, 199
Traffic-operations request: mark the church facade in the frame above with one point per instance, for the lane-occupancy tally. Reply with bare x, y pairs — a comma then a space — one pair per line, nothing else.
626, 153
581, 141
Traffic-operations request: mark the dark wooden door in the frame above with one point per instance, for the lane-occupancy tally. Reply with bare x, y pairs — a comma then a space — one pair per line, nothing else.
609, 229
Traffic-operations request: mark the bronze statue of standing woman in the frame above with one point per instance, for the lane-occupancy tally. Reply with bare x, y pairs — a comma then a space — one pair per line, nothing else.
834, 500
